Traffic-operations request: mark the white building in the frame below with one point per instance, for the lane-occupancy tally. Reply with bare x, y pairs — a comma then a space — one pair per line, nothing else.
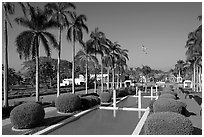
78, 81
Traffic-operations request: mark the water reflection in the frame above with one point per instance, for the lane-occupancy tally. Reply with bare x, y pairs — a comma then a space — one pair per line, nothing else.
139, 114
115, 111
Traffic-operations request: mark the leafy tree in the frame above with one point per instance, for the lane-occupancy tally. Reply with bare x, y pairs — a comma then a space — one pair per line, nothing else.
36, 21
48, 70
13, 77
74, 34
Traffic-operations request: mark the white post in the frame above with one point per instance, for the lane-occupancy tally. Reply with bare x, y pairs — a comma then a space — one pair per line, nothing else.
136, 94
114, 113
114, 98
156, 90
139, 100
151, 92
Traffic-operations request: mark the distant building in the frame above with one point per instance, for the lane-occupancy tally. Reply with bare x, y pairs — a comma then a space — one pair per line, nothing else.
78, 81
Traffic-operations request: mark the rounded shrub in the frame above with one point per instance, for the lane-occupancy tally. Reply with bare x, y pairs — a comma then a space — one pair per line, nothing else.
151, 105
90, 94
68, 103
122, 92
106, 97
169, 105
167, 96
168, 123
89, 101
27, 115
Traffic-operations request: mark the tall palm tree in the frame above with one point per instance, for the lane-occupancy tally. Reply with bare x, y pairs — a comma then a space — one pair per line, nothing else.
179, 67
107, 62
121, 62
28, 41
8, 9
100, 46
115, 49
85, 56
74, 34
194, 50
59, 12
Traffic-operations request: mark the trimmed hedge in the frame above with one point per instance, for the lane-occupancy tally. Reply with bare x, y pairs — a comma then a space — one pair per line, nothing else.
68, 103
90, 94
106, 97
169, 105
167, 96
89, 101
27, 115
122, 92
151, 105
168, 123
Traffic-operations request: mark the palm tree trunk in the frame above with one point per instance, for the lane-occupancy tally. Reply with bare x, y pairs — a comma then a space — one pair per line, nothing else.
37, 71
108, 79
200, 82
194, 77
58, 63
113, 87
118, 77
73, 67
95, 84
5, 64
86, 76
197, 78
101, 73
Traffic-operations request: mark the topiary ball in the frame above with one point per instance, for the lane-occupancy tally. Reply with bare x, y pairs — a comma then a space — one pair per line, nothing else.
167, 96
68, 103
168, 105
105, 97
151, 105
27, 115
168, 123
89, 101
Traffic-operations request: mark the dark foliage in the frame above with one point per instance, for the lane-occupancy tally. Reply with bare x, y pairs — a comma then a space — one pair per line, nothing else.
68, 103
168, 123
106, 97
27, 115
168, 105
89, 101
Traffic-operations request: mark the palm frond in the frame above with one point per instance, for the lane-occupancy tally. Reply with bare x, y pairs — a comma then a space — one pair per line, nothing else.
45, 44
52, 39
24, 42
24, 22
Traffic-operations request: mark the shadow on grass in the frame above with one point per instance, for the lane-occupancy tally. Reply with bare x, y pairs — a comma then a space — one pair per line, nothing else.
197, 131
187, 113
198, 99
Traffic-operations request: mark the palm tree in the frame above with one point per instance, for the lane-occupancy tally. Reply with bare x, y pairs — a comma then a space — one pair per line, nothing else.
107, 62
74, 34
84, 56
28, 41
179, 67
59, 12
194, 51
115, 49
100, 46
8, 8
121, 62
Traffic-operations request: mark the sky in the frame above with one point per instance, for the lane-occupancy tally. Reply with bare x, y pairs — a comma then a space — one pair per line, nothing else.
162, 27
